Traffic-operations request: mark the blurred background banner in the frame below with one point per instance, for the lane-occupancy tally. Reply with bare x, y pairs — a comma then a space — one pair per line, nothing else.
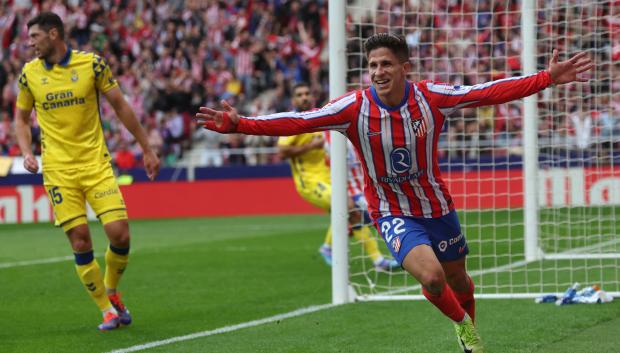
5, 165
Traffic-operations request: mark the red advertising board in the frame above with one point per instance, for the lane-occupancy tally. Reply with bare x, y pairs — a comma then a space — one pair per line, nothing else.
265, 196
215, 198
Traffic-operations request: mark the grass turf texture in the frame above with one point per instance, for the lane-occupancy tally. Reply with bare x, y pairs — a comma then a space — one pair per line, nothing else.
195, 275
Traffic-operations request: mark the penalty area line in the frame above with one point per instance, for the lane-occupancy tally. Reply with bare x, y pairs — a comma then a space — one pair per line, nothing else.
225, 329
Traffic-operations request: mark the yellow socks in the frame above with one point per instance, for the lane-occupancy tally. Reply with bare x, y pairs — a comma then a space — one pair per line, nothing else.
364, 236
88, 270
328, 237
115, 260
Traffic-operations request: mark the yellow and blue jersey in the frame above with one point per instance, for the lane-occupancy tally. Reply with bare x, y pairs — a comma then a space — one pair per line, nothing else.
66, 98
310, 166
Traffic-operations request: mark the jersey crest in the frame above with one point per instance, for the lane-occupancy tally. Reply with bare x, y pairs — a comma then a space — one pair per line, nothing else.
419, 127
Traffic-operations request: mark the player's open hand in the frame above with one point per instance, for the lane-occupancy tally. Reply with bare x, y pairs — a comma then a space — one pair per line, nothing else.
221, 121
151, 164
31, 164
568, 71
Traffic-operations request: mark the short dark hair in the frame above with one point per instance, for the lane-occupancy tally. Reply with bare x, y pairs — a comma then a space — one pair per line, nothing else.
301, 84
48, 20
394, 42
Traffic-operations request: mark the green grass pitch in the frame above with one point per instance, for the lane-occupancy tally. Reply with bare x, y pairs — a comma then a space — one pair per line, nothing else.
195, 275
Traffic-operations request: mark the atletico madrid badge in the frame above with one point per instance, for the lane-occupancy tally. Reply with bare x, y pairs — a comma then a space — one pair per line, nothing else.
419, 127
396, 244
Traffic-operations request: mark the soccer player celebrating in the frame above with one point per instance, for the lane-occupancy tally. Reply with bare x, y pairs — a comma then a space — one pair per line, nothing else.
63, 86
395, 126
306, 155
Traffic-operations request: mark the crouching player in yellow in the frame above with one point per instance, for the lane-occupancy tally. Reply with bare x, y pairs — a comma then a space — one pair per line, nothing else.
63, 86
306, 155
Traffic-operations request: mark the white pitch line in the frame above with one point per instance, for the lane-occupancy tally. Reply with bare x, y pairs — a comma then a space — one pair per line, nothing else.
225, 329
36, 262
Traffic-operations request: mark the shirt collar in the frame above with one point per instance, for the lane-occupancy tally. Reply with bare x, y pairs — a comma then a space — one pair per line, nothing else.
389, 107
63, 62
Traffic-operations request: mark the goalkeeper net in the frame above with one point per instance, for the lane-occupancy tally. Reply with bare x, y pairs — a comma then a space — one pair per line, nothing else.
576, 237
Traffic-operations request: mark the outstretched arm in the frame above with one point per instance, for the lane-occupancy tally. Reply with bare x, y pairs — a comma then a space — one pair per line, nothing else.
336, 115
567, 71
449, 98
224, 121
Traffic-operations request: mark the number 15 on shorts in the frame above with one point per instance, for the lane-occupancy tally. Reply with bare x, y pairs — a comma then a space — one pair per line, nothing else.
55, 195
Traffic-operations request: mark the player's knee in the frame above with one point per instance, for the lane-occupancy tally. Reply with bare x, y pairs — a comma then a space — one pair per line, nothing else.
122, 240
433, 281
118, 233
458, 281
80, 240
81, 243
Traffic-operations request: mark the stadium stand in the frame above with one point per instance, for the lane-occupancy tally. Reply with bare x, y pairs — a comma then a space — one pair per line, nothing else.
172, 56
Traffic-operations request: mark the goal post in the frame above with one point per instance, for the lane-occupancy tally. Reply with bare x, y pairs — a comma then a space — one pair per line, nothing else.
530, 133
339, 211
536, 182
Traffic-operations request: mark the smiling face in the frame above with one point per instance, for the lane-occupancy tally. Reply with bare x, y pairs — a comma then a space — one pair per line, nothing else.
388, 75
41, 41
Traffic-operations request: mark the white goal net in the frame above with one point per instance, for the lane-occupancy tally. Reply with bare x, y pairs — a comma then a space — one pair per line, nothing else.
483, 151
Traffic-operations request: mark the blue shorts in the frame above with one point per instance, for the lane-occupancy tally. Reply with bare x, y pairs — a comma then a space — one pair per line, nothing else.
443, 234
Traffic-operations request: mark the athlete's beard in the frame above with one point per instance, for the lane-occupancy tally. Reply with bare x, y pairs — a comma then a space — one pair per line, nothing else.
46, 54
305, 105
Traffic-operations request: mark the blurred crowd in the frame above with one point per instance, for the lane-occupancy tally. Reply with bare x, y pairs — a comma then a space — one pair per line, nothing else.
469, 42
172, 56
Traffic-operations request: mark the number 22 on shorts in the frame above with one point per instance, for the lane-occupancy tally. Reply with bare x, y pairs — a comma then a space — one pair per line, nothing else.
390, 228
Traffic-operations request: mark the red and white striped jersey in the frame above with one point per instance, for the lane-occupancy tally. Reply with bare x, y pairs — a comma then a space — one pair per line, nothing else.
355, 174
397, 145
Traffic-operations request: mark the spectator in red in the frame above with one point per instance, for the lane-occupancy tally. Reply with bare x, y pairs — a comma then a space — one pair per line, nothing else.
124, 158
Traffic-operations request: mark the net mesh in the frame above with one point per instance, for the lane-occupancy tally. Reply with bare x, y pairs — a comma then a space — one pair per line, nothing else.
481, 149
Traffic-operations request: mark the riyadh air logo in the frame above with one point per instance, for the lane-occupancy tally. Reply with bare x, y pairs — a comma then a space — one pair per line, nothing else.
401, 160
